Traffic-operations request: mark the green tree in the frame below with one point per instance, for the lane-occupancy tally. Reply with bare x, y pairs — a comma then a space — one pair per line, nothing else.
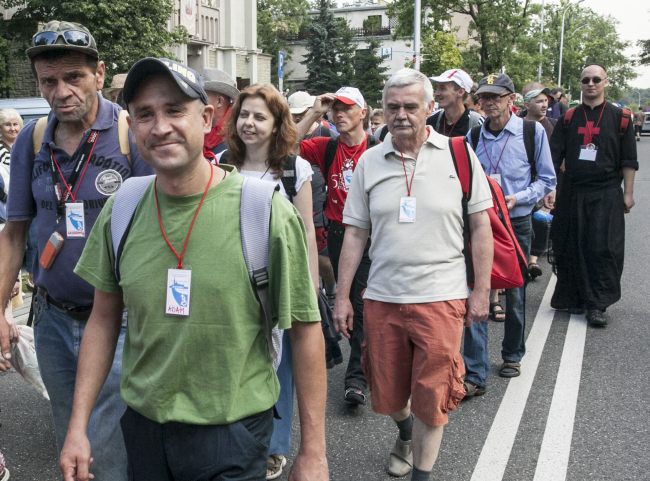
644, 58
369, 73
5, 81
125, 31
276, 21
330, 52
439, 52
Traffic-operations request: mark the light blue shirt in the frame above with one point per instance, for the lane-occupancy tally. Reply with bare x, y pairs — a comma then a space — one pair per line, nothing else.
505, 155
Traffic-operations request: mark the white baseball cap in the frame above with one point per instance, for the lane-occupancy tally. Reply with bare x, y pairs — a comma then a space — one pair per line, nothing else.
458, 76
350, 96
300, 101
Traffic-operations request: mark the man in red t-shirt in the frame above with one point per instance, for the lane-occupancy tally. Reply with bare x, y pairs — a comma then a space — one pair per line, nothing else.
347, 113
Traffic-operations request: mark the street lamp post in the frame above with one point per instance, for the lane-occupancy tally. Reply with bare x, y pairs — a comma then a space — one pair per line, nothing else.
416, 35
541, 46
559, 72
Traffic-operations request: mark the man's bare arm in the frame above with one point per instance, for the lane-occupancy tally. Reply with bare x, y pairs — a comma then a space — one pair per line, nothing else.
95, 360
628, 188
482, 256
12, 248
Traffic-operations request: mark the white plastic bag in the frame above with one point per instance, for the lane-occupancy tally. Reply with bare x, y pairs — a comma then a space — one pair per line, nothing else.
23, 359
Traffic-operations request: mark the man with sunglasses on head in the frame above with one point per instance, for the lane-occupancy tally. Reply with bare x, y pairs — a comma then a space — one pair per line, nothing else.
61, 185
501, 148
594, 145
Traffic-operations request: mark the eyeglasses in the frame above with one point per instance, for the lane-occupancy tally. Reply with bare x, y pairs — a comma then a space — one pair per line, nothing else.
595, 80
492, 97
70, 37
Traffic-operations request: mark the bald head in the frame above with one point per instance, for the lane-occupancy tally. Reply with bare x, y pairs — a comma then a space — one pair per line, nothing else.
593, 81
594, 69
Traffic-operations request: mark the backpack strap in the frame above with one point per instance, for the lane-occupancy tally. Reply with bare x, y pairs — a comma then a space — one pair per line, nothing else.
460, 156
437, 120
330, 153
127, 199
38, 134
289, 177
529, 145
626, 115
568, 115
474, 136
255, 220
123, 134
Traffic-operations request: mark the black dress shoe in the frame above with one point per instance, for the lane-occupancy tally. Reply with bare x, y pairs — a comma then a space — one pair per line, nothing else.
596, 318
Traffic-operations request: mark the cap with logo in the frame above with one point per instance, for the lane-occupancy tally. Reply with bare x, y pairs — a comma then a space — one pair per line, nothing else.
215, 80
57, 35
300, 101
496, 84
535, 92
456, 75
350, 96
187, 79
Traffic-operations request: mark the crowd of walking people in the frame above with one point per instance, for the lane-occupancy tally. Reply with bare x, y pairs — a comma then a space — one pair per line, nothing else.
189, 253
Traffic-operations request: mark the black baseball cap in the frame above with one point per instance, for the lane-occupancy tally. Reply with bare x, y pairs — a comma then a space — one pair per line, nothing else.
187, 79
58, 35
496, 84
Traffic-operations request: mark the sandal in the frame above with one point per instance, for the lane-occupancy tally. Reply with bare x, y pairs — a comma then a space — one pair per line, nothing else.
355, 396
274, 465
534, 271
510, 369
497, 314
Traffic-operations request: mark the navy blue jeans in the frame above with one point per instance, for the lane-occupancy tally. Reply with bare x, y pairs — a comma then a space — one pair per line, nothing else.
188, 452
513, 347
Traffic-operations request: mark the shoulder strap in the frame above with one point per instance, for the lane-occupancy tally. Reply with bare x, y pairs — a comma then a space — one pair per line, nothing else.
38, 134
437, 120
474, 119
626, 115
289, 177
475, 135
126, 202
568, 115
255, 221
330, 153
460, 156
123, 134
529, 144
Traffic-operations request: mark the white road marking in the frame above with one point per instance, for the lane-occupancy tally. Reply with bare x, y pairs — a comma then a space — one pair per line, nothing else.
496, 451
553, 458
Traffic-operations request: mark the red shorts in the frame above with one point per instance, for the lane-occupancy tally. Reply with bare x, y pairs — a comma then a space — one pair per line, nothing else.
413, 351
321, 240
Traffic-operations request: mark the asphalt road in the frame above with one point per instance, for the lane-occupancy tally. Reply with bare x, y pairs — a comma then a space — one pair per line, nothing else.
579, 411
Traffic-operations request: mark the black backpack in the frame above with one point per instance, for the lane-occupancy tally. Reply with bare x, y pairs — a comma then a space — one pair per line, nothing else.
529, 144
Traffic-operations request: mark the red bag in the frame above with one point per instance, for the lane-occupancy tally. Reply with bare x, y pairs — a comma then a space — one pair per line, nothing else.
509, 261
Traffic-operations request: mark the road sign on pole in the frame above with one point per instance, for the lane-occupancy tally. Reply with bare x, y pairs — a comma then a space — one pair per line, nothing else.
281, 56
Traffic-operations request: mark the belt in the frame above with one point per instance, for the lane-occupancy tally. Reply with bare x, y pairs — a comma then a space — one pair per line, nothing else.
79, 313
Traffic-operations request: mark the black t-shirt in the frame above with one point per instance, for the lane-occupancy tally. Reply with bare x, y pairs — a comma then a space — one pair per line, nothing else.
460, 128
614, 151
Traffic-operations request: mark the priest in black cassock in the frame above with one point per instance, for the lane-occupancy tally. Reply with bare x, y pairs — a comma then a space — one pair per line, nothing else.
593, 145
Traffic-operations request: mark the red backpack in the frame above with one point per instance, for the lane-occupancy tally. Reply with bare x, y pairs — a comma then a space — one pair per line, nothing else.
509, 261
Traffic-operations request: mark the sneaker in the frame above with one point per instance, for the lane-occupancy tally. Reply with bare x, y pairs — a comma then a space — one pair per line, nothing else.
400, 462
534, 271
274, 465
596, 318
355, 396
4, 472
472, 390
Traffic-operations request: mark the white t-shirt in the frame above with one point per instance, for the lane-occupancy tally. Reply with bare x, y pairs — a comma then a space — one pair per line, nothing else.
303, 174
421, 261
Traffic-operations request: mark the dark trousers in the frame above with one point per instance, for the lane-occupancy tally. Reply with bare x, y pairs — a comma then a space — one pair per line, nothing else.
354, 374
187, 452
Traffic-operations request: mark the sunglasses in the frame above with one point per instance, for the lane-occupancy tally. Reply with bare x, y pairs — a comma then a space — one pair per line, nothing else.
70, 37
492, 97
595, 80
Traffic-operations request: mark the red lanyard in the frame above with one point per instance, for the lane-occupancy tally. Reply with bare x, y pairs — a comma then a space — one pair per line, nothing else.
494, 168
189, 232
409, 185
74, 184
590, 129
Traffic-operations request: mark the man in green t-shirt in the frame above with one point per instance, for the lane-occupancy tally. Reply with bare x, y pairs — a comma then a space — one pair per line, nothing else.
197, 377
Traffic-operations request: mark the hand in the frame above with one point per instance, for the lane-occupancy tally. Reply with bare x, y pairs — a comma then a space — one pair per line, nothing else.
343, 315
323, 103
478, 306
549, 200
309, 468
75, 460
8, 332
511, 201
628, 200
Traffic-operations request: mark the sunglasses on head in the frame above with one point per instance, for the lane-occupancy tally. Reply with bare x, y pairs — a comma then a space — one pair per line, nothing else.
70, 37
595, 80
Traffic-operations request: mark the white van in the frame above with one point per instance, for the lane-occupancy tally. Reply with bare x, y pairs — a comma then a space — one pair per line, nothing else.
28, 107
